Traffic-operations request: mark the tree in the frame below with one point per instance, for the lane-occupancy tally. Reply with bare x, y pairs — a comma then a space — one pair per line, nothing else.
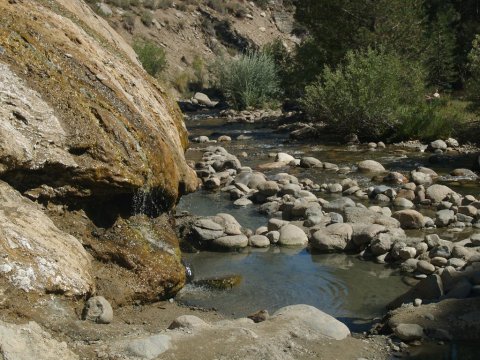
338, 26
473, 84
441, 59
369, 94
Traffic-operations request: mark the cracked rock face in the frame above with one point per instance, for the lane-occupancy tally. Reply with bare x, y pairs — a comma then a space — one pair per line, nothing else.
36, 255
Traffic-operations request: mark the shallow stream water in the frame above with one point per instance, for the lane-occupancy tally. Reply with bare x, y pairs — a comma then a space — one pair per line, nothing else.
352, 290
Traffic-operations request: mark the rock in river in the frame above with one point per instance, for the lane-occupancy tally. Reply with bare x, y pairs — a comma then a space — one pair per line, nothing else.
370, 166
409, 219
291, 235
333, 238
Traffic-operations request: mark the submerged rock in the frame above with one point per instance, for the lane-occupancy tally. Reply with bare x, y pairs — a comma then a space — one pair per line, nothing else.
220, 283
370, 166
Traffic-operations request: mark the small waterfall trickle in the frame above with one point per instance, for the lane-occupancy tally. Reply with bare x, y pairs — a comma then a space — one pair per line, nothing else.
140, 199
149, 201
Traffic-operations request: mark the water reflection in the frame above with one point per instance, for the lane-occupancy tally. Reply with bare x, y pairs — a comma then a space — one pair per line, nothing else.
338, 284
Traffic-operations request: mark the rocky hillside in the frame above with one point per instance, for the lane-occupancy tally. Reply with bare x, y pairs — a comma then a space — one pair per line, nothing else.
193, 33
89, 144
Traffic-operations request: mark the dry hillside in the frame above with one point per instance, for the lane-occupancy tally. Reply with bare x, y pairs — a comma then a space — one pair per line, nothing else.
194, 33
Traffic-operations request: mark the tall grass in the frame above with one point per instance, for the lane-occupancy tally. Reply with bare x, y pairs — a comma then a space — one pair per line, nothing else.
437, 119
250, 80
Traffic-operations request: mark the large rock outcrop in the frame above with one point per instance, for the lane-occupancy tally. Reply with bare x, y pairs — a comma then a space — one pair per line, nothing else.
36, 255
86, 132
79, 117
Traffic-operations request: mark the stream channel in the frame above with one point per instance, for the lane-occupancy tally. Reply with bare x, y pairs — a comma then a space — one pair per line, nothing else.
343, 286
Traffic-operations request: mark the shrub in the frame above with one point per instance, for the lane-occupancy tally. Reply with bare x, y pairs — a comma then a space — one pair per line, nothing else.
236, 9
124, 4
164, 4
199, 74
217, 5
147, 18
368, 95
151, 56
150, 4
262, 3
248, 81
128, 21
182, 82
437, 119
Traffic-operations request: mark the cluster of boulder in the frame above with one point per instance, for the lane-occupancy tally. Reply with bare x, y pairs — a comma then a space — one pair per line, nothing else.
249, 116
298, 217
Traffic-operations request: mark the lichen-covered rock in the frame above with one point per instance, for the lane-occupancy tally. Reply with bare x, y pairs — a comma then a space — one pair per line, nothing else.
36, 255
79, 114
147, 258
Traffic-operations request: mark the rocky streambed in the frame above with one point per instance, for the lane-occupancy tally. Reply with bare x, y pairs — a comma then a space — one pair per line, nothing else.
352, 230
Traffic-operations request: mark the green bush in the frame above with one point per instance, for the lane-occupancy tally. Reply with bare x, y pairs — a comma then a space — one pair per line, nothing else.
262, 3
150, 4
437, 119
124, 4
164, 4
217, 5
368, 95
147, 18
473, 84
248, 81
151, 56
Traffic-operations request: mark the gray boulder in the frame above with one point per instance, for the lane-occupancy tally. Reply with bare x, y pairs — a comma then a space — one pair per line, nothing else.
338, 205
291, 235
370, 166
332, 238
365, 233
206, 229
315, 320
188, 322
259, 241
231, 242
409, 332
444, 217
438, 193
204, 100
309, 162
430, 288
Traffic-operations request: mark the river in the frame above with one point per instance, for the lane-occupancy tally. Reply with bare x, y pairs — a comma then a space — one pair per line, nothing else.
344, 286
